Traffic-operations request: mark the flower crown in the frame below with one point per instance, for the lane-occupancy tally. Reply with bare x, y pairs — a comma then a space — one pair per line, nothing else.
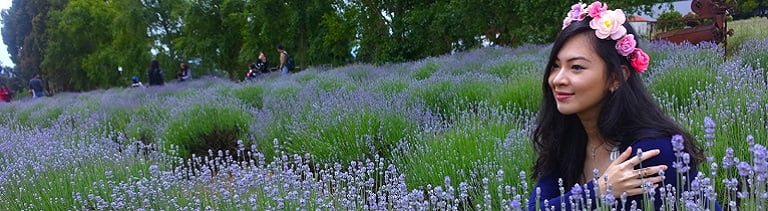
608, 24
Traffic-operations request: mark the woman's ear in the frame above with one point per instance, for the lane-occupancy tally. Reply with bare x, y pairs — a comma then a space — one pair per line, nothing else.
625, 72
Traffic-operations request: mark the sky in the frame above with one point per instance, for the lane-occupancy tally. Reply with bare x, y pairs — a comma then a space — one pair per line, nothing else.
684, 7
5, 58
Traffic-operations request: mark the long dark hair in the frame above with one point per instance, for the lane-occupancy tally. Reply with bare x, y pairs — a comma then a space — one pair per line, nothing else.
628, 114
154, 64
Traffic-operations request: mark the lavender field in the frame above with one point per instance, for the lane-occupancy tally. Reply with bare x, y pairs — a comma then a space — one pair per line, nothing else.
445, 133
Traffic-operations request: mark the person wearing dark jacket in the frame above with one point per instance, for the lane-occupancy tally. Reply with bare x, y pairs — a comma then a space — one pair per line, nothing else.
156, 77
36, 88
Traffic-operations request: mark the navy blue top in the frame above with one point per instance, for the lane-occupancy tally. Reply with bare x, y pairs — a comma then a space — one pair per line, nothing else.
550, 190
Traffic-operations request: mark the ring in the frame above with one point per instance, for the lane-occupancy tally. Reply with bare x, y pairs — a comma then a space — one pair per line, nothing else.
641, 173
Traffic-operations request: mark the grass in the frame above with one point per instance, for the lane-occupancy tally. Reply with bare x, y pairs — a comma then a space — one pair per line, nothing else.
743, 30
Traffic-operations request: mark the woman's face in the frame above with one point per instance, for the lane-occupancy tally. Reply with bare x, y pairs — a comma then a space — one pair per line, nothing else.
578, 78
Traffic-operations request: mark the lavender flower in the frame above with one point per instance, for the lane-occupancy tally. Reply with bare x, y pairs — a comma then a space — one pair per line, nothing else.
709, 130
577, 190
744, 169
677, 143
728, 159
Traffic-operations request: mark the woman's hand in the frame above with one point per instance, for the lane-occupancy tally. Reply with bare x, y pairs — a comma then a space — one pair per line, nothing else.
622, 177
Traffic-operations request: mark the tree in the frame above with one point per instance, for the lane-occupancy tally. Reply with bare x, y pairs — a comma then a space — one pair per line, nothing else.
25, 27
746, 8
90, 39
211, 33
165, 23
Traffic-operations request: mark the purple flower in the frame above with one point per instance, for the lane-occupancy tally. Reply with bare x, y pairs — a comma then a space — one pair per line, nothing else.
516, 204
686, 158
709, 128
577, 190
728, 158
743, 168
609, 199
677, 143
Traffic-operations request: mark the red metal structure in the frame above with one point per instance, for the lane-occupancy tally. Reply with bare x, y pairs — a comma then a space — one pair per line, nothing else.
714, 30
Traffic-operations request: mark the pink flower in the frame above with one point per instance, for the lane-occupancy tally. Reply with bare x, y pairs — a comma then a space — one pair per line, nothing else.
578, 11
609, 24
639, 60
596, 9
626, 45
567, 21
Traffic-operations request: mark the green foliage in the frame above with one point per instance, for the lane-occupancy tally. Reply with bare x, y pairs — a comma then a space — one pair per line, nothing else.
61, 183
743, 30
79, 44
425, 71
486, 137
206, 127
514, 69
678, 84
746, 8
523, 91
392, 87
353, 135
670, 15
251, 95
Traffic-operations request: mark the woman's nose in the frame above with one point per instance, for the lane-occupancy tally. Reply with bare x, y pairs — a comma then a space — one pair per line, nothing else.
558, 78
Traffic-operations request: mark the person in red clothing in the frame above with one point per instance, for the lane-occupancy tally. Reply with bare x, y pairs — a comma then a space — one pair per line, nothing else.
5, 94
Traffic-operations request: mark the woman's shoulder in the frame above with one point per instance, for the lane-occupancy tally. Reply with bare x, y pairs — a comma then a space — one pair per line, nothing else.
662, 143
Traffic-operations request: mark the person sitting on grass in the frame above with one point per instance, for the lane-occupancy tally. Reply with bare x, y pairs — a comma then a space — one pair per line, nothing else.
136, 83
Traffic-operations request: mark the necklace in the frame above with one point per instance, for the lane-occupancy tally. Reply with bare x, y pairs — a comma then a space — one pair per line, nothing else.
594, 149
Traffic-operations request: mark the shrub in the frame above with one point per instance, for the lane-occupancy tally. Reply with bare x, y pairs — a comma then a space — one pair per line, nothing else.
425, 71
514, 69
207, 127
678, 83
250, 94
522, 92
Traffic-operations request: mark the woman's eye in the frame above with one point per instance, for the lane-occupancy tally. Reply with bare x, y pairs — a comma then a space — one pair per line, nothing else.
577, 67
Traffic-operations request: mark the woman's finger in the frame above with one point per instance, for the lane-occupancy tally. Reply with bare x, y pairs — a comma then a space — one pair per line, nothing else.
624, 155
636, 160
650, 171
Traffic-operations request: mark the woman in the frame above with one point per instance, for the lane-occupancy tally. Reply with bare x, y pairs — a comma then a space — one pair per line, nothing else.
596, 113
184, 72
156, 75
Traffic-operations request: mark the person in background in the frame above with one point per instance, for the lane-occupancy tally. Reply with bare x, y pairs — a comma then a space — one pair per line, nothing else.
257, 68
283, 59
5, 94
261, 63
36, 87
156, 77
136, 83
252, 72
184, 72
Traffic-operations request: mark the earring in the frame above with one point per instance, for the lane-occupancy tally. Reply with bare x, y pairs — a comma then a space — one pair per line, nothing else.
612, 89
